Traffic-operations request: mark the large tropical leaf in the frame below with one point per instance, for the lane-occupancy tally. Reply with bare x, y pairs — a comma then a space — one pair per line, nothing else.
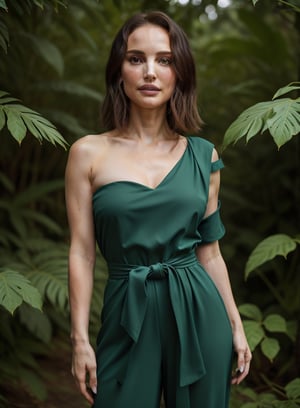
66, 121
15, 289
249, 123
68, 87
23, 217
44, 220
4, 36
53, 283
281, 117
20, 119
46, 50
285, 122
3, 5
37, 322
269, 248
50, 274
25, 6
293, 86
293, 388
37, 192
45, 264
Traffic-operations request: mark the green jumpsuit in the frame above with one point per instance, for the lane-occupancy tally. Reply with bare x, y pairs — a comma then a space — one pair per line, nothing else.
164, 326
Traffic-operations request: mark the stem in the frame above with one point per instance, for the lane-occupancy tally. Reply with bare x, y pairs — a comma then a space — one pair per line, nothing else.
275, 387
286, 3
272, 289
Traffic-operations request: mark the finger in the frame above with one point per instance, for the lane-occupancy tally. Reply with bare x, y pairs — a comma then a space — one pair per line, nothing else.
93, 380
85, 392
80, 380
243, 375
238, 376
241, 361
243, 366
244, 357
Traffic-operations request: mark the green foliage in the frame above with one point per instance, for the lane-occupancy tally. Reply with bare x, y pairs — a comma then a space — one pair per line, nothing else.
68, 87
22, 217
279, 397
3, 5
45, 263
36, 322
42, 260
21, 119
241, 57
4, 36
15, 289
18, 350
241, 50
50, 286
274, 334
293, 389
34, 264
292, 4
257, 328
44, 48
33, 273
269, 248
22, 8
280, 117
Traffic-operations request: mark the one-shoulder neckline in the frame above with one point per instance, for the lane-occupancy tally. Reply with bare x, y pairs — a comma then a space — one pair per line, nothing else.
144, 186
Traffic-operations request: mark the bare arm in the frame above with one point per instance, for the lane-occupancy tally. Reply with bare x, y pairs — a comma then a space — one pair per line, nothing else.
81, 263
210, 257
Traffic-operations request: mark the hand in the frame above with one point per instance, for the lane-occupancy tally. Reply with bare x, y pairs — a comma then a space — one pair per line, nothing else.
84, 369
244, 356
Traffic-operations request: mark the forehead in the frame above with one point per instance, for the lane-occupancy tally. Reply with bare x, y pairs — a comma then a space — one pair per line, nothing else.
149, 36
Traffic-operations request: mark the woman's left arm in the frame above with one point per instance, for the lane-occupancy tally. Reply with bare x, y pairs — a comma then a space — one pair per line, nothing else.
209, 255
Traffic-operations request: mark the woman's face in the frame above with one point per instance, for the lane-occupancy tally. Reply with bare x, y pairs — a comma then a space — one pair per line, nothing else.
147, 71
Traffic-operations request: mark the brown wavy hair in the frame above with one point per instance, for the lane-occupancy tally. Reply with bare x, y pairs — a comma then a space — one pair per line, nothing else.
182, 112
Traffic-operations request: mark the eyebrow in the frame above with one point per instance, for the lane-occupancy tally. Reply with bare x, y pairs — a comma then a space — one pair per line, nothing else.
142, 52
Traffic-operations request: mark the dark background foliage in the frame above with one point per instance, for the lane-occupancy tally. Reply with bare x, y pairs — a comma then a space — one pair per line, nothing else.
52, 59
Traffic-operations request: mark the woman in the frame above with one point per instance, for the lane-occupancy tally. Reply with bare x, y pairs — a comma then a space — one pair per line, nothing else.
149, 196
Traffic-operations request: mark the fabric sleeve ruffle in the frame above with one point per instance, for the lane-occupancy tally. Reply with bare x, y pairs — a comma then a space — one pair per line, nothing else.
211, 228
217, 165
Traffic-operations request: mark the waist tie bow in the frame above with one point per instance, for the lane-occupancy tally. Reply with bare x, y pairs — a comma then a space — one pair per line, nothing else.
191, 367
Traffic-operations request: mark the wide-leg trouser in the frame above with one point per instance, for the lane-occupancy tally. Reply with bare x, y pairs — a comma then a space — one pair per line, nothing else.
154, 365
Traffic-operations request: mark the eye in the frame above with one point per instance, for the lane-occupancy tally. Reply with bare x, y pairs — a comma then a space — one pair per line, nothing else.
165, 60
135, 60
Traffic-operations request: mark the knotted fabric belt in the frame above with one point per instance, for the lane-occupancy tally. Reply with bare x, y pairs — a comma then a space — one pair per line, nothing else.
133, 313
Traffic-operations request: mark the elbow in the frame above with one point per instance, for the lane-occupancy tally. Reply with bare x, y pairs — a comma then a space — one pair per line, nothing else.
208, 252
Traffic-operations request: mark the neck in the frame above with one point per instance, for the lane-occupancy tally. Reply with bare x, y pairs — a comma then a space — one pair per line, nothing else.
149, 125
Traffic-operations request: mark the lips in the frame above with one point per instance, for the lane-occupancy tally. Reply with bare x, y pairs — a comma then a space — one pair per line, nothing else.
152, 88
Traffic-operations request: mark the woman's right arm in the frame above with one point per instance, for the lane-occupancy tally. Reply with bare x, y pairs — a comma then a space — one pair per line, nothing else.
81, 262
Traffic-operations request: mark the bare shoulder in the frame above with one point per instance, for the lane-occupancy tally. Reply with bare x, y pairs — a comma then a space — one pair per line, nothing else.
88, 145
89, 148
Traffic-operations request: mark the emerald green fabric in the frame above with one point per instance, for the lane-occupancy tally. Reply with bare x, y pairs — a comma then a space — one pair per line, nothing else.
164, 325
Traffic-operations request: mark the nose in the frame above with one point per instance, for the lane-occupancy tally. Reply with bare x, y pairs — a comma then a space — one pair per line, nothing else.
149, 73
